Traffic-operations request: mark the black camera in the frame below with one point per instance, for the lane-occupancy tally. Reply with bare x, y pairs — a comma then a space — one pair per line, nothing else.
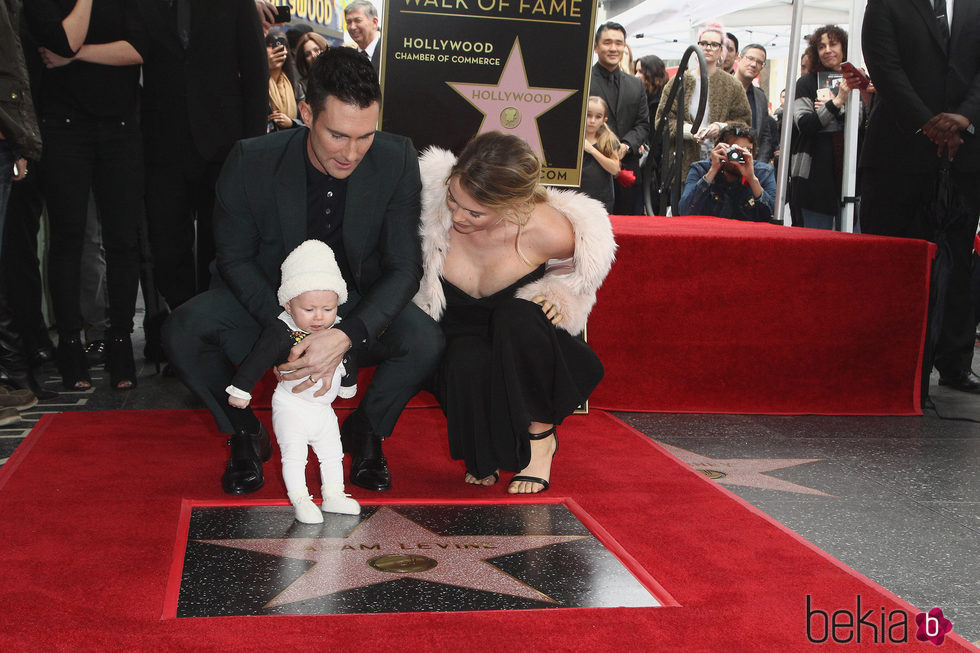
275, 41
735, 155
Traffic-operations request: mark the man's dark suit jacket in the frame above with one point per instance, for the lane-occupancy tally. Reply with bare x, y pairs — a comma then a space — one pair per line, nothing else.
376, 57
629, 116
763, 150
218, 88
260, 216
916, 78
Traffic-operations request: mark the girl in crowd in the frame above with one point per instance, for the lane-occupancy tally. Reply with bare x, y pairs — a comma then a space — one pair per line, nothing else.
600, 162
284, 91
308, 48
510, 271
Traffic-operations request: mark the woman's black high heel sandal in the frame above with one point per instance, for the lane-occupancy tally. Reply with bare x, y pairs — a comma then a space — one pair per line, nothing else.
534, 479
120, 363
72, 364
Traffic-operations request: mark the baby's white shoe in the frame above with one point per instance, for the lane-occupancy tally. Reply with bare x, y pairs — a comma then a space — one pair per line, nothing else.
306, 510
335, 500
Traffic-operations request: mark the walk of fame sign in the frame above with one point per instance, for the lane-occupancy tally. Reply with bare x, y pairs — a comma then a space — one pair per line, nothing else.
405, 558
453, 69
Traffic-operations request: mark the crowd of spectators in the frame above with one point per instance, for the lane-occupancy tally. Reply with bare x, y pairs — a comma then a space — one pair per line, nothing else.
138, 102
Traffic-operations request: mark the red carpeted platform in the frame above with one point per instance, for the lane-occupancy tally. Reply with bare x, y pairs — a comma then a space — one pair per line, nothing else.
90, 504
720, 316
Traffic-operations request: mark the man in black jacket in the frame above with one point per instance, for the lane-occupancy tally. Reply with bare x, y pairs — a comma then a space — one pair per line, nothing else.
629, 113
928, 101
358, 190
205, 86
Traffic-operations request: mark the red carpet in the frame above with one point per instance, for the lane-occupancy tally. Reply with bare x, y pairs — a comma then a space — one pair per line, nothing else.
89, 506
720, 316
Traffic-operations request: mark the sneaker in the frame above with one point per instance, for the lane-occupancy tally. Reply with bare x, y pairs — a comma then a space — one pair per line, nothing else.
17, 398
10, 415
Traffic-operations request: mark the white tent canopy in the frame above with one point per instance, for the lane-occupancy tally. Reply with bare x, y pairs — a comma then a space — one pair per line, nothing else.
667, 27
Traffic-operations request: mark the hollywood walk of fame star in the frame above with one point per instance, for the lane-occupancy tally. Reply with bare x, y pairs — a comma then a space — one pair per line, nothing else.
343, 563
747, 472
511, 105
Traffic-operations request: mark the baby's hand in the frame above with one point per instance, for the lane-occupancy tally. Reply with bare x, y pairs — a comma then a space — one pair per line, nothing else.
237, 402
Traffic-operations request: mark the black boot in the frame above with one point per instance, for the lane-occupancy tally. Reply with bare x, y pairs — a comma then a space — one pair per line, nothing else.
14, 368
243, 471
369, 468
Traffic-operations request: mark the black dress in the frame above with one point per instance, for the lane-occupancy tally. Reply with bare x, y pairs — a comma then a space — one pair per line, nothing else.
505, 365
597, 182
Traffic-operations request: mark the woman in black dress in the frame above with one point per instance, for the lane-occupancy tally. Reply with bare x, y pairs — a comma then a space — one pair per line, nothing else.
510, 271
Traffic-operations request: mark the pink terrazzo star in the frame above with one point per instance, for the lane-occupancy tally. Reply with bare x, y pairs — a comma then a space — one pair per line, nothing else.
342, 563
747, 472
510, 105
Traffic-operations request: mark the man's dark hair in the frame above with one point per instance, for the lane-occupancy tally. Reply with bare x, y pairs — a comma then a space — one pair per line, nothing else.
834, 33
609, 25
755, 46
345, 74
734, 40
738, 130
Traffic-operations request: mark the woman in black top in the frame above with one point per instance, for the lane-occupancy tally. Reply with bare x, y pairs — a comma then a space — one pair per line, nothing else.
92, 144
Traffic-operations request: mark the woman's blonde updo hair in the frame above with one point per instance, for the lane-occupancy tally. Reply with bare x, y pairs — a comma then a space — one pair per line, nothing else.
501, 172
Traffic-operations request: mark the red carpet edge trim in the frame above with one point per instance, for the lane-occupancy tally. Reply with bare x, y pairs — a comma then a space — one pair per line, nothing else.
20, 453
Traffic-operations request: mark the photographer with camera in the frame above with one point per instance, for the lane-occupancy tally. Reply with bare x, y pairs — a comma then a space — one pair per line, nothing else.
730, 183
284, 90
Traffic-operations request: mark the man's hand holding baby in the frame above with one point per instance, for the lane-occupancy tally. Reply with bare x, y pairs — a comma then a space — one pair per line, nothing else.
316, 357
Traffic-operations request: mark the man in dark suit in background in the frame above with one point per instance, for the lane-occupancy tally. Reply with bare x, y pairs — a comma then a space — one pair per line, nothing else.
926, 72
205, 86
750, 65
356, 189
629, 113
362, 24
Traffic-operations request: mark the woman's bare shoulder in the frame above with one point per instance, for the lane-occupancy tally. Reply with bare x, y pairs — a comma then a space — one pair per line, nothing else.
549, 234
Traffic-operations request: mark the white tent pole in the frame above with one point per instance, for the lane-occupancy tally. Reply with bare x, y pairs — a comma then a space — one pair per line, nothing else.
852, 121
787, 132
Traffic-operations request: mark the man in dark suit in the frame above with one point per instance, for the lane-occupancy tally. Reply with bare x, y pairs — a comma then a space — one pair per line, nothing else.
928, 101
750, 65
357, 190
205, 86
629, 113
362, 24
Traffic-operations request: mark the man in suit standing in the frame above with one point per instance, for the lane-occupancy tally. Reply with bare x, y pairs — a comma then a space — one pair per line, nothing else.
356, 189
205, 85
750, 65
629, 113
928, 102
362, 25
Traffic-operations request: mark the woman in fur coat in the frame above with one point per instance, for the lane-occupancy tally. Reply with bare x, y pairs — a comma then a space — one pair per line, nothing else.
510, 272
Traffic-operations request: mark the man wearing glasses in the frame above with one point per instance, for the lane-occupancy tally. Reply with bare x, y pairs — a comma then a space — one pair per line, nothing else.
729, 183
750, 65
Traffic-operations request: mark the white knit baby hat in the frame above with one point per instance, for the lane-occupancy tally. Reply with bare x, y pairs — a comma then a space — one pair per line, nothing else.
311, 266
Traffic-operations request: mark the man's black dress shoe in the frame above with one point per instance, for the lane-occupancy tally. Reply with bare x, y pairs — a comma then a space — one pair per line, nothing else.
368, 468
243, 471
965, 381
